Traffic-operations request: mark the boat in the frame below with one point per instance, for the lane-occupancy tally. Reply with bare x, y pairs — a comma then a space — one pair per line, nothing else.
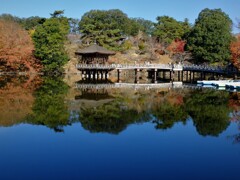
221, 88
232, 85
222, 83
238, 88
213, 82
205, 82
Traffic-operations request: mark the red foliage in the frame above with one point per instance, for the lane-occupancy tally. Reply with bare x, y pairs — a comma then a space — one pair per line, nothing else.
16, 48
235, 50
234, 101
175, 99
176, 46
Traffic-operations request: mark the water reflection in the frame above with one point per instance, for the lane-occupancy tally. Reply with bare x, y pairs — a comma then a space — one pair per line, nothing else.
209, 111
166, 115
53, 103
16, 98
234, 102
235, 118
49, 108
112, 117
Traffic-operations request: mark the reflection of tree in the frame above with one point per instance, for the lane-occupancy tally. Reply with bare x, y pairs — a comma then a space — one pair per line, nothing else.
16, 98
209, 111
235, 118
234, 101
49, 108
236, 138
168, 114
111, 118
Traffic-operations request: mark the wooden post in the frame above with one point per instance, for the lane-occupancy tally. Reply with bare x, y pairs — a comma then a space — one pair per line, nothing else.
87, 74
106, 75
83, 74
179, 76
137, 76
91, 74
155, 75
119, 74
97, 75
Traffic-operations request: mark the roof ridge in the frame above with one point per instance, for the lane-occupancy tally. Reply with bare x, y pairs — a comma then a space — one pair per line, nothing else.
94, 48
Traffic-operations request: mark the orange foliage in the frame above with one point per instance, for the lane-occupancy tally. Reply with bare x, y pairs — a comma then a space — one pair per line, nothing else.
176, 46
16, 48
175, 99
16, 98
234, 101
235, 50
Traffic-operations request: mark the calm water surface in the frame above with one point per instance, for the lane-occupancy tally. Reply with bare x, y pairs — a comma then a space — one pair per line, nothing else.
52, 130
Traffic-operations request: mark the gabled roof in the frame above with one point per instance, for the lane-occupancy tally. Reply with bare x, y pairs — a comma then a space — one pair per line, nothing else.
95, 49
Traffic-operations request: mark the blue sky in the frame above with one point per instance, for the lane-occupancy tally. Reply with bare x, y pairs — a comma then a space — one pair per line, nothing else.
147, 9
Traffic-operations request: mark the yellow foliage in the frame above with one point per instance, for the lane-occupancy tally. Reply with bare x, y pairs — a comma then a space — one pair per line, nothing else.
31, 32
127, 45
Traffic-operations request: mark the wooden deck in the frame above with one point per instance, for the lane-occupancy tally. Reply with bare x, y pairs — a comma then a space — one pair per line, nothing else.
170, 67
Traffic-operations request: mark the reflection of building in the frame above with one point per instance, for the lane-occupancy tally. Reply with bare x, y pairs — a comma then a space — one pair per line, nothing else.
94, 54
91, 93
95, 95
88, 96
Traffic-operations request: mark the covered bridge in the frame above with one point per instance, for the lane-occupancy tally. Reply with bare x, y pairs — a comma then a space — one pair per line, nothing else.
94, 54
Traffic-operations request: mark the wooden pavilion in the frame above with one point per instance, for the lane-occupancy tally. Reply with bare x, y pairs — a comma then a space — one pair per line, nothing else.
94, 54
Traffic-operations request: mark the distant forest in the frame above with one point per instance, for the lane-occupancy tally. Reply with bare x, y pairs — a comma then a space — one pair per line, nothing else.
39, 44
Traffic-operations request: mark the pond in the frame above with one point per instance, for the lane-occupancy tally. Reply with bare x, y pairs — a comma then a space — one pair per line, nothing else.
52, 128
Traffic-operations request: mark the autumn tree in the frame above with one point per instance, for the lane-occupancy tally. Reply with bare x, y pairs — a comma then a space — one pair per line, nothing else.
235, 52
210, 38
16, 48
177, 46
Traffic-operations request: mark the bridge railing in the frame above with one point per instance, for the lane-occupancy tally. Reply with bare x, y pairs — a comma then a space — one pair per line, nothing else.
203, 67
149, 66
130, 66
98, 66
152, 66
